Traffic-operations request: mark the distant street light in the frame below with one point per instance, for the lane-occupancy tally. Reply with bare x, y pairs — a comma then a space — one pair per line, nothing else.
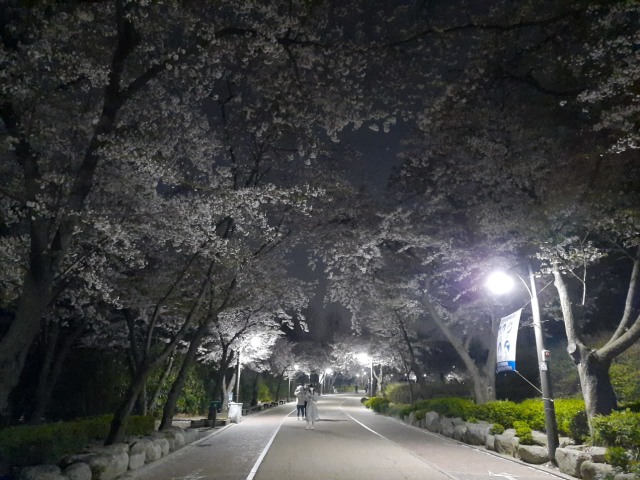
500, 283
327, 372
365, 358
295, 369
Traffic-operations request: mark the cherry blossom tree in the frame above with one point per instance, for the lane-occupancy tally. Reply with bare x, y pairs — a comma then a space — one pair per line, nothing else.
127, 91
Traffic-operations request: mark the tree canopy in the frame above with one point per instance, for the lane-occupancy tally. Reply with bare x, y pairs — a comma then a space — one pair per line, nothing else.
166, 165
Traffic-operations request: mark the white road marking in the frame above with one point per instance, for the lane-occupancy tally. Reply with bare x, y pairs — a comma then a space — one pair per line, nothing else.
401, 447
508, 476
191, 476
254, 470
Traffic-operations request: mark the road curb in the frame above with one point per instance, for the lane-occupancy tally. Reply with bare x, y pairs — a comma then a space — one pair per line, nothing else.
542, 468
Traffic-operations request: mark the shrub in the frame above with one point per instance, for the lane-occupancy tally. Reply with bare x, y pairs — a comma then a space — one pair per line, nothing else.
405, 410
140, 425
264, 394
420, 414
532, 412
34, 444
631, 406
620, 429
450, 407
398, 393
398, 410
497, 429
617, 457
377, 404
625, 375
500, 411
523, 432
579, 428
566, 411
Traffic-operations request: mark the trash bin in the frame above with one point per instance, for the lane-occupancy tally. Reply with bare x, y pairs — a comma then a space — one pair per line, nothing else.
235, 412
214, 409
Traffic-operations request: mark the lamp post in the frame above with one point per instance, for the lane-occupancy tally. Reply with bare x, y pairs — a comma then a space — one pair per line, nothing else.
238, 378
327, 372
500, 282
295, 369
365, 359
255, 343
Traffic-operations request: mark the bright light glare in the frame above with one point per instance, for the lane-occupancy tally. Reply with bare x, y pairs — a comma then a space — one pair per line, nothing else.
363, 358
255, 342
328, 371
499, 283
296, 367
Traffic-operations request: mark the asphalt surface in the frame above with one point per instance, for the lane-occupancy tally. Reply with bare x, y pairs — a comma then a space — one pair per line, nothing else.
348, 443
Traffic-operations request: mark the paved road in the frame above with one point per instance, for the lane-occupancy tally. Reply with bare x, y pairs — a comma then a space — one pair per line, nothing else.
349, 443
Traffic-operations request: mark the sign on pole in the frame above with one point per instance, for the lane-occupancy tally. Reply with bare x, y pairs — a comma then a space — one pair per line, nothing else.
507, 338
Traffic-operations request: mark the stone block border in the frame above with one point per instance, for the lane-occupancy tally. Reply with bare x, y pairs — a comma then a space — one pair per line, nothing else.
579, 461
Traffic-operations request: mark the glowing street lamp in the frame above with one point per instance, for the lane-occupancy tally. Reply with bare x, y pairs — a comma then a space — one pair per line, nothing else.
295, 369
365, 358
501, 283
327, 372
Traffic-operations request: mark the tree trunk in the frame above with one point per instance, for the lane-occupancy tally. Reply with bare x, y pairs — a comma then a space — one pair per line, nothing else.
119, 425
169, 409
51, 369
15, 344
227, 387
598, 393
484, 386
156, 393
593, 369
141, 402
480, 376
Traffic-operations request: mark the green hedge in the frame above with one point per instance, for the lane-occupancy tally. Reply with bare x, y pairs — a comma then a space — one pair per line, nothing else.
620, 429
505, 413
35, 444
378, 404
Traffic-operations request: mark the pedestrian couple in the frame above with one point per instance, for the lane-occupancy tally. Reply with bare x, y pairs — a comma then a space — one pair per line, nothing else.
307, 398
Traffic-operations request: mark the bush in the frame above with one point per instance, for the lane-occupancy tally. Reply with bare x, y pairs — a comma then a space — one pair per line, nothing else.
264, 394
532, 412
620, 429
398, 393
631, 406
420, 414
523, 432
501, 412
625, 375
35, 444
579, 428
32, 445
617, 457
399, 410
566, 411
377, 404
450, 407
497, 429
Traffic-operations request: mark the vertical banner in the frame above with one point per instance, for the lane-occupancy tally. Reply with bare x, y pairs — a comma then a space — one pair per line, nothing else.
507, 338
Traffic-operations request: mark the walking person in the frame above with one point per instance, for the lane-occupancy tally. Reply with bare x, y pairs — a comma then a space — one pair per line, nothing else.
313, 396
301, 401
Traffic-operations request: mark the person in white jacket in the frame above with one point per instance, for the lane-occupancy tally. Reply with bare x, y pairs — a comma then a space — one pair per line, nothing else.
301, 397
313, 395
